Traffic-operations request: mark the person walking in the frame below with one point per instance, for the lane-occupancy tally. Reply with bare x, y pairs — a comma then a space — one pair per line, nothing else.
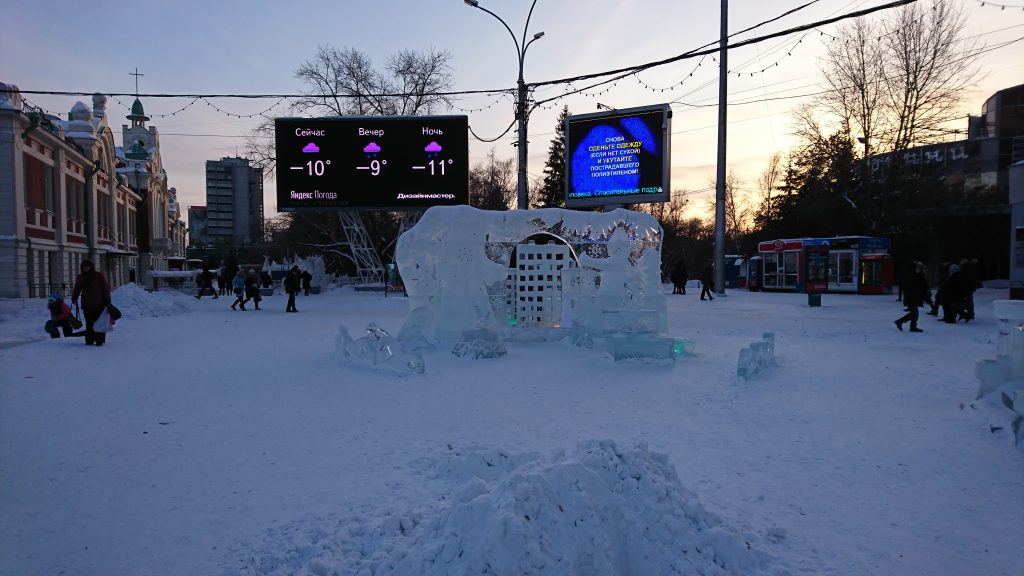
92, 287
915, 293
292, 283
954, 291
222, 282
238, 286
307, 280
972, 281
265, 279
205, 280
252, 288
707, 281
679, 278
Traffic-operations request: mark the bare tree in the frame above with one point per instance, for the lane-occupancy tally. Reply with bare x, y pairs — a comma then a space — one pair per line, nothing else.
491, 183
853, 69
768, 184
669, 214
893, 82
739, 215
340, 82
931, 63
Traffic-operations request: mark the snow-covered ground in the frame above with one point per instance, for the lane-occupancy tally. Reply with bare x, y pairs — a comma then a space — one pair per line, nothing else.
202, 440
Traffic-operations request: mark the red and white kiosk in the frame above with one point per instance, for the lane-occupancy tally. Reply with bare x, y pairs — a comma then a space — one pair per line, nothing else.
856, 264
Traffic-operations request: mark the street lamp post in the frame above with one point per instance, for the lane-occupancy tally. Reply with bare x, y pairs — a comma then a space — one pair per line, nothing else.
522, 199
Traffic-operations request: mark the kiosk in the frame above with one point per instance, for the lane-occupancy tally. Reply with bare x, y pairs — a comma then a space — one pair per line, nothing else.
856, 264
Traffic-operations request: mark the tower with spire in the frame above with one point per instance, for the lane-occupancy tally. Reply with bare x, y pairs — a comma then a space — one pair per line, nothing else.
142, 167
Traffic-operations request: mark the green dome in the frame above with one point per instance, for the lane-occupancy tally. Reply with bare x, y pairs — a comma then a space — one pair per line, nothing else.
137, 112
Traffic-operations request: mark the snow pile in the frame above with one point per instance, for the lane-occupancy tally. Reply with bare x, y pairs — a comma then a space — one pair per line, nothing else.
599, 511
135, 302
23, 320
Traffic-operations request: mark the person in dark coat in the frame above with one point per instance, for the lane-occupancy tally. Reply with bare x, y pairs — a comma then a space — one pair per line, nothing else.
972, 281
307, 280
916, 292
707, 280
223, 282
205, 280
252, 289
91, 285
954, 290
265, 279
292, 283
679, 277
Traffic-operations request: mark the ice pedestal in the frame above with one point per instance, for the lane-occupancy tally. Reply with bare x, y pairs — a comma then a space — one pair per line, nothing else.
643, 347
480, 343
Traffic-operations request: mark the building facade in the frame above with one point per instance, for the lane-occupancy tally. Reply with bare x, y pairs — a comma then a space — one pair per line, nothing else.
68, 193
954, 196
234, 202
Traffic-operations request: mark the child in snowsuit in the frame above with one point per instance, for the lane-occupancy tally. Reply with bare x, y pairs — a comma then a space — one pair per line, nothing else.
60, 317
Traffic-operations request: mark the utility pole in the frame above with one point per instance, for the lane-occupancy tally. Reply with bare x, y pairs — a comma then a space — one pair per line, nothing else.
522, 111
723, 78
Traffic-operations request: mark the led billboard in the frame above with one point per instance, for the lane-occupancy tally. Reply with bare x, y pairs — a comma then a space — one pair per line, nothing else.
618, 157
372, 162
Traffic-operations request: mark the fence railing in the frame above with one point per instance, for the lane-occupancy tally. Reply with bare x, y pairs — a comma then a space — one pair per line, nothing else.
44, 290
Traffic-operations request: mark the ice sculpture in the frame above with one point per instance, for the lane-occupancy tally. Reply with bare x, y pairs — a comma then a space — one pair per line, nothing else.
377, 350
533, 274
1005, 372
757, 356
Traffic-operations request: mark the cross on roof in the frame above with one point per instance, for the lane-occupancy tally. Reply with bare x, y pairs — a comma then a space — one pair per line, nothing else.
136, 74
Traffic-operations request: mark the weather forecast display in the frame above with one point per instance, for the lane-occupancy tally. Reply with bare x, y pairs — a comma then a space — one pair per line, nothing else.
618, 157
371, 162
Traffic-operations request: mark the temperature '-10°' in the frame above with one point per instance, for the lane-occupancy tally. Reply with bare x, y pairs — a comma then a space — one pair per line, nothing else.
313, 167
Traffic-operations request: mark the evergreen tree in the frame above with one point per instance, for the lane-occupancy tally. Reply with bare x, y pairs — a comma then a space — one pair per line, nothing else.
552, 190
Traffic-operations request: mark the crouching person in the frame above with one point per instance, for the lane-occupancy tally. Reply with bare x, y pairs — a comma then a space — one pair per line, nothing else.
61, 319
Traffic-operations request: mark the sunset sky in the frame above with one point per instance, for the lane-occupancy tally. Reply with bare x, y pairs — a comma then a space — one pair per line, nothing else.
248, 48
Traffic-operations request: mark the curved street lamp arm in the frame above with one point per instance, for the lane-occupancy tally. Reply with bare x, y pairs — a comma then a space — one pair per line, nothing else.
525, 28
519, 53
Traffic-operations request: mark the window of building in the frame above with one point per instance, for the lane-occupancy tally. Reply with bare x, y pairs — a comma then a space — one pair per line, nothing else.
38, 184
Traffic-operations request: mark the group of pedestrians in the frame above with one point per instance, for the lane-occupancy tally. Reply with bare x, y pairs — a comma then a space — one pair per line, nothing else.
246, 284
681, 275
955, 295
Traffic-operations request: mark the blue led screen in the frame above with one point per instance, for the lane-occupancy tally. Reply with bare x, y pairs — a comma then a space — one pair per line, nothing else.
619, 157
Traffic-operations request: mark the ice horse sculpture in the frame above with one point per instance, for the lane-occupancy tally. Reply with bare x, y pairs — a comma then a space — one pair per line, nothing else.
536, 274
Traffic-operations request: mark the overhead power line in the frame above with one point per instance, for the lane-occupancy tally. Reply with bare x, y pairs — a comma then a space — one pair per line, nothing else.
701, 52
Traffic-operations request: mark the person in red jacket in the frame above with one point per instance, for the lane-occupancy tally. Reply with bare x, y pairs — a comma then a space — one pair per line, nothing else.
60, 317
92, 286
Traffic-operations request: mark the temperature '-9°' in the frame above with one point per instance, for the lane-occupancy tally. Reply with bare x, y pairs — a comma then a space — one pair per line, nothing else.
371, 150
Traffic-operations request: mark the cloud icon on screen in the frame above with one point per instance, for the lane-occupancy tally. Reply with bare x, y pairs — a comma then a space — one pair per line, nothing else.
311, 148
371, 148
432, 147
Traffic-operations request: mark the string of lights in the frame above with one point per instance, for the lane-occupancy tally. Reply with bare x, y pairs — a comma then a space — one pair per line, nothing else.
504, 96
986, 3
176, 112
261, 113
